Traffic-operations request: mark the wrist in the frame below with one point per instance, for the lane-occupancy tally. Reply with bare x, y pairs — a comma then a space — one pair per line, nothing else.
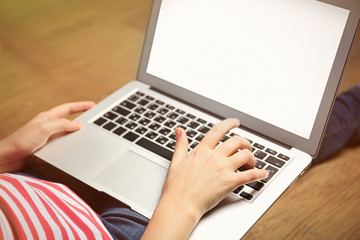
172, 219
11, 158
180, 207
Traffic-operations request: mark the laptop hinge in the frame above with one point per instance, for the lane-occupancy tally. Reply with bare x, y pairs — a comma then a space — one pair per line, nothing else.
221, 118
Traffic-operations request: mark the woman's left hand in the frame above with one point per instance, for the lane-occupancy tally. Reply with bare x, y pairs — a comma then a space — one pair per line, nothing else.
32, 136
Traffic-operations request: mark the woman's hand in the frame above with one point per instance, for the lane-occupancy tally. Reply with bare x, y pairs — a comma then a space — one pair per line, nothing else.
197, 182
35, 134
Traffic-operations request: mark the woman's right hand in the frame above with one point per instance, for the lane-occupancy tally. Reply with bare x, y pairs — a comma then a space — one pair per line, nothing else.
198, 181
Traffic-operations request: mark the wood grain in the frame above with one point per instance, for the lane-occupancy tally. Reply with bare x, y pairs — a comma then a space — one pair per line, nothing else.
53, 52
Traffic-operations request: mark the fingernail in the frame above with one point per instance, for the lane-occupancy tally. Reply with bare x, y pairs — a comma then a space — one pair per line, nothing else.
178, 132
77, 124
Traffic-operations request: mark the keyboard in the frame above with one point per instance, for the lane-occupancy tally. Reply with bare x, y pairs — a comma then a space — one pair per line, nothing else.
150, 123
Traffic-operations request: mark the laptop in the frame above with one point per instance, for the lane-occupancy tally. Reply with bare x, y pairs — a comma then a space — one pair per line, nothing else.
274, 64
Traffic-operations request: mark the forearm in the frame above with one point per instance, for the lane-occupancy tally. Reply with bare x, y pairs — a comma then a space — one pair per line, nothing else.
11, 159
171, 221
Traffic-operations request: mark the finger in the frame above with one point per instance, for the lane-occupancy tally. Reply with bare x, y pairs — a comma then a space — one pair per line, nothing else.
52, 127
215, 134
65, 110
234, 144
250, 176
181, 146
241, 158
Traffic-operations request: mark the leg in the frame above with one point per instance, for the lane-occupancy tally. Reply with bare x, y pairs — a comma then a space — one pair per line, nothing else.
344, 125
121, 221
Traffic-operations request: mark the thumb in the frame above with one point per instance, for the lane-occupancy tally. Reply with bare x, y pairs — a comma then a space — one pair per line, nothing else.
41, 132
181, 146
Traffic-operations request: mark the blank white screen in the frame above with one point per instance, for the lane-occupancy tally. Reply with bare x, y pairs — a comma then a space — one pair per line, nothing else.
270, 59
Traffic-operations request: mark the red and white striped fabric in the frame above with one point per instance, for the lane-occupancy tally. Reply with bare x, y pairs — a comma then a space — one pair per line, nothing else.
36, 209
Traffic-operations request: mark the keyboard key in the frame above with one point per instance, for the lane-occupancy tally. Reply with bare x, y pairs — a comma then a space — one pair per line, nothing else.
190, 116
224, 138
170, 107
159, 102
155, 148
193, 124
153, 106
246, 195
172, 115
210, 125
190, 133
199, 137
173, 136
134, 117
121, 120
110, 115
259, 146
162, 140
154, 126
194, 145
242, 168
165, 131
272, 172
256, 185
109, 126
200, 120
100, 121
183, 120
131, 125
141, 130
159, 119
163, 111
150, 114
141, 94
128, 104
236, 191
131, 136
259, 154
143, 102
150, 98
171, 145
282, 156
181, 126
259, 164
274, 161
140, 110
144, 121
119, 131
134, 98
121, 110
180, 111
170, 124
151, 135
269, 150
203, 129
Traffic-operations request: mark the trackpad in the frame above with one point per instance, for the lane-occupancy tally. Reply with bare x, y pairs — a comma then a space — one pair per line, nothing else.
136, 178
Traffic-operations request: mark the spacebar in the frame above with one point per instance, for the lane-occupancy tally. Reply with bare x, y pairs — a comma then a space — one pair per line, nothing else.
153, 147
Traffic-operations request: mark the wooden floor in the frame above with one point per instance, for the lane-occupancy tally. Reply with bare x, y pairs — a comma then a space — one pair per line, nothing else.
53, 52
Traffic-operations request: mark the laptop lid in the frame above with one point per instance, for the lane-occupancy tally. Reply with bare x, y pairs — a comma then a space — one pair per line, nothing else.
275, 65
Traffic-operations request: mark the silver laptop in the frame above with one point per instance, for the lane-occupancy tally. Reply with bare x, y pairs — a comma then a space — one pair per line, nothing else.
273, 64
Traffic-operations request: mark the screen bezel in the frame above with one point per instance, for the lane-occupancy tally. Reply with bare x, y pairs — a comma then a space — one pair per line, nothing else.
311, 145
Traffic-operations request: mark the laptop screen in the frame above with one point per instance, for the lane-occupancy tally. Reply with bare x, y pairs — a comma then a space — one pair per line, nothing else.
270, 59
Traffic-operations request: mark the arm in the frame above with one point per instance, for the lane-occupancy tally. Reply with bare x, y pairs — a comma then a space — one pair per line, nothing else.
197, 182
17, 147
